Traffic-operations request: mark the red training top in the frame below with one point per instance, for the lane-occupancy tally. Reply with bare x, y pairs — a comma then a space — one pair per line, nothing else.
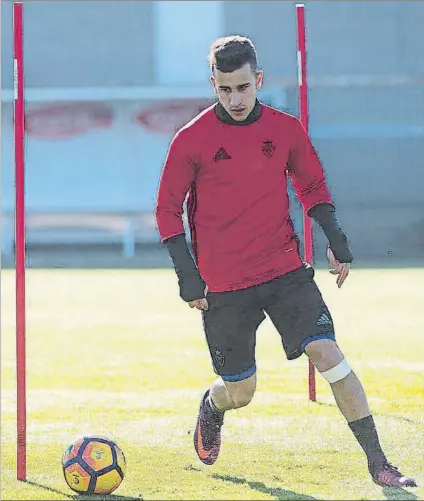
238, 205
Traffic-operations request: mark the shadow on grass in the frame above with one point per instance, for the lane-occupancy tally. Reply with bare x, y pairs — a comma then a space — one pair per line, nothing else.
398, 493
389, 416
276, 492
83, 497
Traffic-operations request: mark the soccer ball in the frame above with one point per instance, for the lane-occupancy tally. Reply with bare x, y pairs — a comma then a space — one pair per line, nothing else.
94, 465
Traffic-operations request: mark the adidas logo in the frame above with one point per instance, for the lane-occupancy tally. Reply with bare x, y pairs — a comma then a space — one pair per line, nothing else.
324, 320
221, 154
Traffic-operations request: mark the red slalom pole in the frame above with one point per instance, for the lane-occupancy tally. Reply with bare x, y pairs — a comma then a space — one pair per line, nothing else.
19, 132
304, 118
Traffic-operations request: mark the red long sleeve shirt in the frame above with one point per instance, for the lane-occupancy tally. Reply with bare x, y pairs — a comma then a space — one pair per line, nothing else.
238, 205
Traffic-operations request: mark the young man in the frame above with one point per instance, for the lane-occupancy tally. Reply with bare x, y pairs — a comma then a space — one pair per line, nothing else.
233, 159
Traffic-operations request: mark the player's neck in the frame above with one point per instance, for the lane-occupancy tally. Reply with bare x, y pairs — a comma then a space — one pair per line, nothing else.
225, 117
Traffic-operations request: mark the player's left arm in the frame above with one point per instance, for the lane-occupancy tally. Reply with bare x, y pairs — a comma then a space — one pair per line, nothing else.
308, 179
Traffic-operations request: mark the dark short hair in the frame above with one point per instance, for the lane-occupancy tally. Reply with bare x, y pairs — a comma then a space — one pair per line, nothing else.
231, 53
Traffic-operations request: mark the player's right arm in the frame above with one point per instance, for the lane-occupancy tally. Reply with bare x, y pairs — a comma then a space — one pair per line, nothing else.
178, 173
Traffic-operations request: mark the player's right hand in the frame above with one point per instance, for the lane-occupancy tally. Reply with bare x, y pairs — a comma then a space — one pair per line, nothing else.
200, 304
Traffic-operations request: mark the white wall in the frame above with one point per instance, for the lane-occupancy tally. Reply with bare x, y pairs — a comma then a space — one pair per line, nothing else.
183, 32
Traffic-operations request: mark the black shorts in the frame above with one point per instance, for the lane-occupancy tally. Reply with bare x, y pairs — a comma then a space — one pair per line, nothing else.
293, 303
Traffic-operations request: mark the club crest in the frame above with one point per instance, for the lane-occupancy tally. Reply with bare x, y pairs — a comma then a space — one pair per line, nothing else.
268, 147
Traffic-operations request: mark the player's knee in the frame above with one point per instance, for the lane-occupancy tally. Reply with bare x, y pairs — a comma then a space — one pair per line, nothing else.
242, 399
241, 392
328, 359
323, 351
337, 373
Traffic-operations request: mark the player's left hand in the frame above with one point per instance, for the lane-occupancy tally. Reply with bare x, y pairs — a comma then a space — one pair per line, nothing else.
339, 269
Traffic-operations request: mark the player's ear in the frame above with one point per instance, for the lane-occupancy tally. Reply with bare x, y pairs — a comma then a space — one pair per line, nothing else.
259, 79
213, 83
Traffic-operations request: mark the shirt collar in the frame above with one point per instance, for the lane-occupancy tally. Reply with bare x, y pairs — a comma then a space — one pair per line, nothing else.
225, 117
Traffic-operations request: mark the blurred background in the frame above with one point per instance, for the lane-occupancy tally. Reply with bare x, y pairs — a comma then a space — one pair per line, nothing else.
107, 84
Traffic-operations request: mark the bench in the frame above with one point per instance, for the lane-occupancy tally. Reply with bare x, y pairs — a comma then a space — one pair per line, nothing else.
82, 227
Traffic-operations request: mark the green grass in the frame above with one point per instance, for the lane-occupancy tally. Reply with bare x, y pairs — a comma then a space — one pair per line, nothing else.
118, 353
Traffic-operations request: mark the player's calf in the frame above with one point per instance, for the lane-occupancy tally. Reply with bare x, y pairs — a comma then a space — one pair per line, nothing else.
352, 402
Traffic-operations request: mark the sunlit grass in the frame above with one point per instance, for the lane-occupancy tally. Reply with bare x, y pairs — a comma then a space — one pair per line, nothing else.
118, 353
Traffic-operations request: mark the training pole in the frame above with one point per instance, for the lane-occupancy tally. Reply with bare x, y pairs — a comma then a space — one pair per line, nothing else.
19, 131
304, 118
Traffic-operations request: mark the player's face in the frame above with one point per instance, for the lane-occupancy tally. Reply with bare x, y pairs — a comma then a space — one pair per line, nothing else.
237, 90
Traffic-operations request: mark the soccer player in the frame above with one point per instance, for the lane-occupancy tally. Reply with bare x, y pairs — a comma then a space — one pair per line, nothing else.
233, 161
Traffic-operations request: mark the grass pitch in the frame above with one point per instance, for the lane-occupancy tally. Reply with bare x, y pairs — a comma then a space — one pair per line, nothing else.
118, 353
